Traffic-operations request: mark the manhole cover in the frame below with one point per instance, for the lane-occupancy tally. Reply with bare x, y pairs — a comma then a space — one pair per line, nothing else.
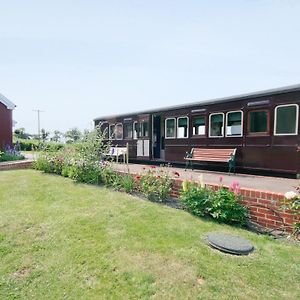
229, 243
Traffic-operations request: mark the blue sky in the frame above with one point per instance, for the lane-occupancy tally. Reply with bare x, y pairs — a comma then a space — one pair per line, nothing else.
78, 60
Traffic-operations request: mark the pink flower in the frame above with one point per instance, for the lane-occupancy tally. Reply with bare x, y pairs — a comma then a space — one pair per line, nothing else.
235, 187
152, 167
138, 177
176, 174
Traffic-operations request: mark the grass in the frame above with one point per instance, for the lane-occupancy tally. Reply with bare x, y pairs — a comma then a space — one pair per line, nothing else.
62, 240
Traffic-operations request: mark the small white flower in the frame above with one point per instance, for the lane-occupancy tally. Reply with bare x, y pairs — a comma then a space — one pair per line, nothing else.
290, 195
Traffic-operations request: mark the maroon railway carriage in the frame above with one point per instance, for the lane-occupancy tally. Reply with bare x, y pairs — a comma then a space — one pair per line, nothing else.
6, 122
263, 126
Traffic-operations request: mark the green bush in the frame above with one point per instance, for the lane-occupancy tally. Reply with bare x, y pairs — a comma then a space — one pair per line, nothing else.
127, 183
196, 198
156, 186
222, 204
291, 203
226, 207
4, 156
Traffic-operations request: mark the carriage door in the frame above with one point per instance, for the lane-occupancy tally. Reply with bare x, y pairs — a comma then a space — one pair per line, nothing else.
143, 143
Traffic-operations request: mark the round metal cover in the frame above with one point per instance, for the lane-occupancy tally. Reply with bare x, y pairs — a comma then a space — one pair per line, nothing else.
230, 243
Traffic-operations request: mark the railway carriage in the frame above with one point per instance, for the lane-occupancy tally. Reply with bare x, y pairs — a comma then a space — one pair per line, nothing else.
262, 126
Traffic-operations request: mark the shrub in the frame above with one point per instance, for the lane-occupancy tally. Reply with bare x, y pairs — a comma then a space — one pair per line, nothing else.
155, 185
221, 204
127, 183
226, 208
196, 198
50, 162
10, 154
291, 203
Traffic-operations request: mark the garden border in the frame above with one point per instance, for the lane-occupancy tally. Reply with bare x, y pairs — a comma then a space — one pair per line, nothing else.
264, 206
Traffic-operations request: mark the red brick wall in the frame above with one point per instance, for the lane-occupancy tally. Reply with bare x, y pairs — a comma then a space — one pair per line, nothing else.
15, 165
263, 206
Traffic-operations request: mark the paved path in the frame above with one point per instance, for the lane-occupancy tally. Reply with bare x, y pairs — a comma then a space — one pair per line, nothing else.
262, 183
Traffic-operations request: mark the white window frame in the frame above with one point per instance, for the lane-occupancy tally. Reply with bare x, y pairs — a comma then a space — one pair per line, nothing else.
242, 123
209, 125
133, 131
109, 130
205, 125
177, 126
297, 119
118, 124
126, 138
175, 131
101, 124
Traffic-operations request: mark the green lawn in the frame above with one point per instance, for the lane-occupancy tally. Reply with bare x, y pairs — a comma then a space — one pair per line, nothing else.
62, 240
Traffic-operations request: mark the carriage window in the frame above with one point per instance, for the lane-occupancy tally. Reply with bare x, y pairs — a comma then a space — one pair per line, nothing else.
128, 131
144, 129
234, 123
104, 130
170, 128
286, 120
119, 131
216, 125
199, 125
258, 122
135, 130
182, 127
112, 131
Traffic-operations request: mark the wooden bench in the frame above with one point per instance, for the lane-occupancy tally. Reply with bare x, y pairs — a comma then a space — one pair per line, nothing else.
211, 155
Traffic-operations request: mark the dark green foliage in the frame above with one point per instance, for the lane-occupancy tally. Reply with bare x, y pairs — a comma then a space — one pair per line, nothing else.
10, 157
197, 199
222, 204
156, 186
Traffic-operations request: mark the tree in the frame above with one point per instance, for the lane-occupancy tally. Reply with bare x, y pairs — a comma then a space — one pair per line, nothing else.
44, 134
21, 134
56, 136
73, 135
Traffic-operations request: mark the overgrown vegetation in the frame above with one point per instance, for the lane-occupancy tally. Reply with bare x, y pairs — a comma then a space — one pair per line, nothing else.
82, 162
221, 204
155, 184
10, 154
292, 204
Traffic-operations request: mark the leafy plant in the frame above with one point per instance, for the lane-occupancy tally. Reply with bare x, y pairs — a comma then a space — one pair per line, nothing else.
155, 185
196, 198
10, 154
225, 207
222, 204
291, 203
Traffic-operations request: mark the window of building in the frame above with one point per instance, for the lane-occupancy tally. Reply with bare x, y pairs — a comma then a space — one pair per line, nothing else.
286, 119
258, 122
198, 125
112, 131
216, 125
144, 129
182, 127
170, 128
128, 132
104, 130
135, 130
119, 131
234, 123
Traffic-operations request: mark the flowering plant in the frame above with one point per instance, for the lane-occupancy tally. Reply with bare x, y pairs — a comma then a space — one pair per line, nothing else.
221, 204
291, 202
155, 184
